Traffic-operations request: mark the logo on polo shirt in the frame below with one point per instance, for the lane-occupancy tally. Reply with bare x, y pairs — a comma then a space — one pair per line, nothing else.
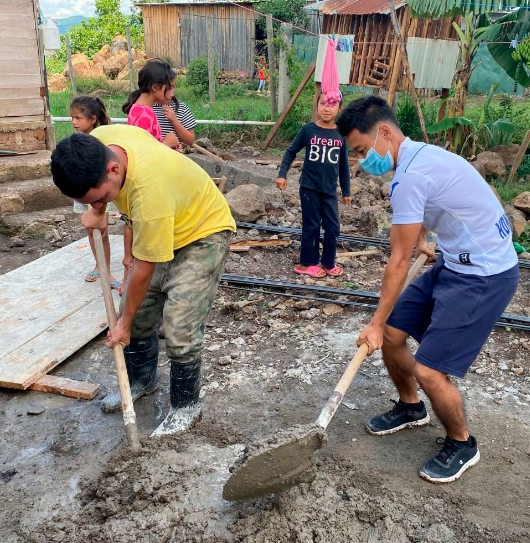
392, 188
464, 258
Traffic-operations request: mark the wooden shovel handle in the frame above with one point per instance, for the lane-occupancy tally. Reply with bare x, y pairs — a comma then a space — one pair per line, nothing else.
351, 371
129, 416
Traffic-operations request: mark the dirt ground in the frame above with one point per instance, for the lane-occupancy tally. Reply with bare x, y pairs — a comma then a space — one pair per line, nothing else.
269, 363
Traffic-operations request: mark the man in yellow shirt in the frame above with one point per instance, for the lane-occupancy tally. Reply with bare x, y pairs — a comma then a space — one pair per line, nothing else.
181, 229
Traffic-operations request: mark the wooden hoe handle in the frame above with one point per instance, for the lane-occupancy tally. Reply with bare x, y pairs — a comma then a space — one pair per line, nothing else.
129, 416
349, 374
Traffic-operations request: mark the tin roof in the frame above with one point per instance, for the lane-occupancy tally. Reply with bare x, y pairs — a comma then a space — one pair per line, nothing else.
354, 7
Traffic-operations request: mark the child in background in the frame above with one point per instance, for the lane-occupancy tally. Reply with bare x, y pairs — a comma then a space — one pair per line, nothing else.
175, 116
261, 75
88, 113
156, 83
326, 158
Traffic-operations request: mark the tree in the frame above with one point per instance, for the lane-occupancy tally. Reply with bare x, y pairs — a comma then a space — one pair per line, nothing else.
450, 8
289, 11
90, 36
499, 35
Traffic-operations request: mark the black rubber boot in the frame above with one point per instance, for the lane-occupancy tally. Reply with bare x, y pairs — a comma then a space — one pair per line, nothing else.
184, 388
141, 359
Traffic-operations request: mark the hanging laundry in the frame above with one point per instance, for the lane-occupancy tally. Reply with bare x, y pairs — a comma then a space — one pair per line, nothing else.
330, 75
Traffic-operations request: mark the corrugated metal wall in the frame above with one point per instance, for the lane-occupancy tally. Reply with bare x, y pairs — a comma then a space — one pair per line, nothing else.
178, 32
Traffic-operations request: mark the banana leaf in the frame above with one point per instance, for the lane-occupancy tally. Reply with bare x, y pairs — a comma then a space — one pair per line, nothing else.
448, 123
511, 26
449, 8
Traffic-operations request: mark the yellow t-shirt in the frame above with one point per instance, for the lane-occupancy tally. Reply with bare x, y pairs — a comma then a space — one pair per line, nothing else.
170, 200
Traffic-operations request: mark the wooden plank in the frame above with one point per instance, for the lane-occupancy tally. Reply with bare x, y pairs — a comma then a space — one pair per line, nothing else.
14, 81
23, 67
239, 248
66, 387
48, 311
274, 130
359, 253
25, 93
18, 41
13, 32
14, 108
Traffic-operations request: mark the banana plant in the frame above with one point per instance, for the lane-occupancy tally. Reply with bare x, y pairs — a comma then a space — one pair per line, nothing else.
435, 9
499, 36
499, 132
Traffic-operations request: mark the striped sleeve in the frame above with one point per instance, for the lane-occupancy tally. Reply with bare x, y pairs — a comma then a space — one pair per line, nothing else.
185, 116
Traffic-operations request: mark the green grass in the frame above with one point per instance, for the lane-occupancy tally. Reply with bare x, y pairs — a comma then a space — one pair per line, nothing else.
509, 192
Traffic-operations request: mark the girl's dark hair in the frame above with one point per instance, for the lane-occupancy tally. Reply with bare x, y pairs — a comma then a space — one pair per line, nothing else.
91, 106
155, 73
176, 103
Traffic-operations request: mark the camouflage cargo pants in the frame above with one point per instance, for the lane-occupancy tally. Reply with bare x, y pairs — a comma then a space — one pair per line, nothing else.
182, 293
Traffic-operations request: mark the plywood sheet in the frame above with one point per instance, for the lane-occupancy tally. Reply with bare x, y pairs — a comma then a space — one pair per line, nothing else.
48, 311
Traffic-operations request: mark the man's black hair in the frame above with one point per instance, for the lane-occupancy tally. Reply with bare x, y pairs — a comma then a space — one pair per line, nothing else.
79, 163
364, 114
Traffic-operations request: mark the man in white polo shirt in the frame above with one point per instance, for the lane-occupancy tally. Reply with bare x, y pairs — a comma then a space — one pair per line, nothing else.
452, 308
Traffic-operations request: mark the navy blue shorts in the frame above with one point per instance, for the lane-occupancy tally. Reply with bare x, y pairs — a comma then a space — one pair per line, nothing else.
452, 314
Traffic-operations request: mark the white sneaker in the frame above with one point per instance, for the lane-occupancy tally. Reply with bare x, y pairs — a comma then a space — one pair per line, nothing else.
178, 420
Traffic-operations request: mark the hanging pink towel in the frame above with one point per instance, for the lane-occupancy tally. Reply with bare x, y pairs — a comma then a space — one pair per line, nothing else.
330, 75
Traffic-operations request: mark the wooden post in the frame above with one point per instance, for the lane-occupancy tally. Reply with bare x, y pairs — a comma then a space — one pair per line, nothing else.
519, 157
211, 59
286, 32
70, 67
406, 65
292, 101
132, 75
318, 90
272, 65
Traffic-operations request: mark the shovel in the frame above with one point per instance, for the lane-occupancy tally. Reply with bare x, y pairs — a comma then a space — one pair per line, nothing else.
286, 459
129, 416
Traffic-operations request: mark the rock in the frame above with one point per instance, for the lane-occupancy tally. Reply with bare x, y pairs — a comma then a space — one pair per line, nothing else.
205, 143
11, 203
98, 70
114, 64
375, 221
119, 43
224, 360
247, 202
101, 55
385, 190
480, 371
253, 232
277, 326
522, 202
81, 65
59, 218
506, 152
479, 166
36, 230
517, 221
124, 74
228, 156
502, 366
518, 370
511, 390
492, 163
57, 83
310, 313
16, 242
525, 256
332, 309
35, 410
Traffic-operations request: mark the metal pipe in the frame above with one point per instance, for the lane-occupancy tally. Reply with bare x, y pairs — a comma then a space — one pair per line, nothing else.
123, 120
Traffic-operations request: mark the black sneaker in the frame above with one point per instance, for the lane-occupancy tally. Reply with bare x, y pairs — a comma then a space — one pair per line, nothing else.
398, 418
451, 461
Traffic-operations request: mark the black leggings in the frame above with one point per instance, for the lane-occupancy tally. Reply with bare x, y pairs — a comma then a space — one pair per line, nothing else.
319, 209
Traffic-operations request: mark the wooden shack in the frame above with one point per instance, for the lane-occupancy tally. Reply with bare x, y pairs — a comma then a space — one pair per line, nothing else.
177, 31
376, 60
24, 117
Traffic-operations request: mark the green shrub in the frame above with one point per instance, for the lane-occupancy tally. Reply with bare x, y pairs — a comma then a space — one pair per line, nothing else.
197, 74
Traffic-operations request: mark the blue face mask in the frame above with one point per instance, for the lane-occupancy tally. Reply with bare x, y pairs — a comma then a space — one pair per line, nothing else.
374, 163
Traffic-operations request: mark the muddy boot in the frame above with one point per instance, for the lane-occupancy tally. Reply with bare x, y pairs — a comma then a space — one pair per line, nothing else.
141, 359
184, 391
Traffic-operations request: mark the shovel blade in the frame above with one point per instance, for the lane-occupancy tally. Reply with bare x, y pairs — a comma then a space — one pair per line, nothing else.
273, 466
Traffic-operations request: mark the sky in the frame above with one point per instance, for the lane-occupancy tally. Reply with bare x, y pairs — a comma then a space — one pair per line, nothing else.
59, 9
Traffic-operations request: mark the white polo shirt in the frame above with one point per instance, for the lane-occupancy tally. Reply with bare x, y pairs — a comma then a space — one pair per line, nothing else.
444, 192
